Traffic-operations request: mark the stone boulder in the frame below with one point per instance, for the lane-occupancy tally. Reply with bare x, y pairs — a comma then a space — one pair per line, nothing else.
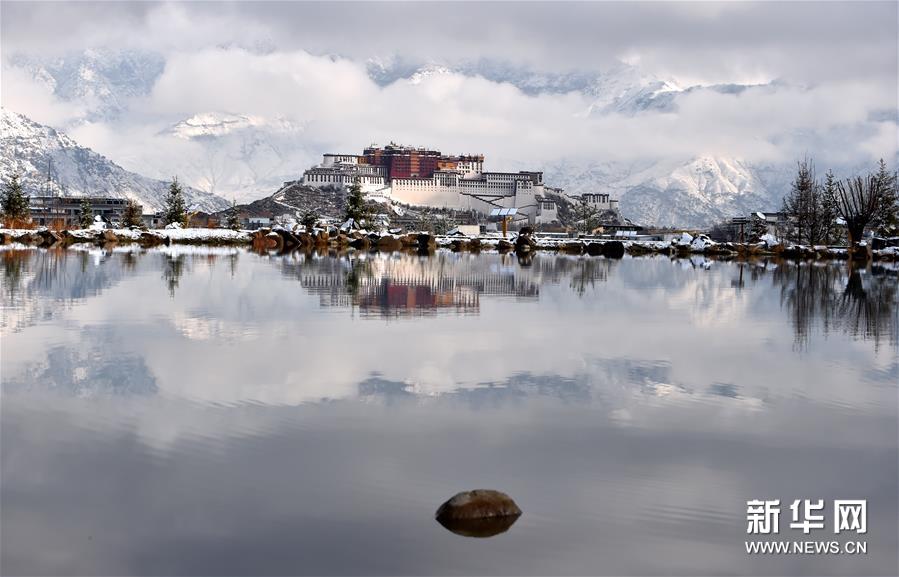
594, 248
478, 513
572, 247
525, 243
504, 246
289, 240
409, 240
389, 243
49, 237
426, 242
274, 241
361, 243
613, 249
459, 244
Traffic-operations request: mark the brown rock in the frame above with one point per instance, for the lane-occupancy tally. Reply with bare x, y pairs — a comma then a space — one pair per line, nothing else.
409, 240
50, 237
273, 241
361, 243
388, 243
458, 245
477, 504
426, 242
572, 247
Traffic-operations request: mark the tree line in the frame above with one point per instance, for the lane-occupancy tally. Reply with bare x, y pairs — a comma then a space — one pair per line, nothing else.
814, 207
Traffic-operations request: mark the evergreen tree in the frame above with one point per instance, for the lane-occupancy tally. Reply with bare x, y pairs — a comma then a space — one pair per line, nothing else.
233, 221
15, 203
175, 209
309, 219
811, 207
86, 216
757, 229
886, 219
355, 204
798, 204
132, 214
830, 233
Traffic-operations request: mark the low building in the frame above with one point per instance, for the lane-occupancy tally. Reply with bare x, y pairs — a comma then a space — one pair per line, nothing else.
65, 211
257, 222
600, 201
775, 223
547, 211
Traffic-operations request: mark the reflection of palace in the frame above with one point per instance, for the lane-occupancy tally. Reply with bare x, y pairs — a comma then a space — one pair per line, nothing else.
409, 286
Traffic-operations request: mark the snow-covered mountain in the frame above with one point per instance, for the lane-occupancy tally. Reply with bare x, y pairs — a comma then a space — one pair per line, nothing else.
696, 192
30, 149
244, 156
104, 80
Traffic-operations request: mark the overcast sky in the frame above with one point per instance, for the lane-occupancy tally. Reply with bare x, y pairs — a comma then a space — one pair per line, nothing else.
829, 70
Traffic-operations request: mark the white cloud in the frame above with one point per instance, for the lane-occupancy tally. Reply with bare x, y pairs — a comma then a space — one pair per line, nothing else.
277, 62
21, 92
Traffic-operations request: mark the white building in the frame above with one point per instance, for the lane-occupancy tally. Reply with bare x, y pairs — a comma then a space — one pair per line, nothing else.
547, 211
436, 180
343, 175
600, 201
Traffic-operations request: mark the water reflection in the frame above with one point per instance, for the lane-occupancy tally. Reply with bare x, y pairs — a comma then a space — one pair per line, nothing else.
408, 285
263, 422
862, 302
478, 528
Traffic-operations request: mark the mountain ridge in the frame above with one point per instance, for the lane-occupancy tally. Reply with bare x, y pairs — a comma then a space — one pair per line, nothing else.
29, 149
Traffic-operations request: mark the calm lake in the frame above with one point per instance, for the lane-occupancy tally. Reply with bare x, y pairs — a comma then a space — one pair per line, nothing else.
194, 411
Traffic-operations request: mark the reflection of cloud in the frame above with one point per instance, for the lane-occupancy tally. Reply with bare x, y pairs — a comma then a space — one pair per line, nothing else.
326, 443
100, 368
343, 487
206, 328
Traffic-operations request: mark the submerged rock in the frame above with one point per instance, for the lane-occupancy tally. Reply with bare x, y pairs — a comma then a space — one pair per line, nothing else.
478, 504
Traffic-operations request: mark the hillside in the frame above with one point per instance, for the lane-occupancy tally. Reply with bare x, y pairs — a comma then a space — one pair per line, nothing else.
30, 149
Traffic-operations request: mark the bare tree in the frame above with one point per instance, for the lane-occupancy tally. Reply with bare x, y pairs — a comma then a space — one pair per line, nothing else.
857, 201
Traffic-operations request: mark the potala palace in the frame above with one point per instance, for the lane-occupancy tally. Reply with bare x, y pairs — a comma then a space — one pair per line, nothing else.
422, 176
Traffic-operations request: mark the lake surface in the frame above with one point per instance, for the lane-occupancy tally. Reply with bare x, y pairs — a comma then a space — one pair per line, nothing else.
185, 411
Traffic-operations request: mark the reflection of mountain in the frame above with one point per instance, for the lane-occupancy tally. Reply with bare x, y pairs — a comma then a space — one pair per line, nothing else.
861, 303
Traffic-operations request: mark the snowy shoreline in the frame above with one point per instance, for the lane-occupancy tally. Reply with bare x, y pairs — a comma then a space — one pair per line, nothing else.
285, 240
